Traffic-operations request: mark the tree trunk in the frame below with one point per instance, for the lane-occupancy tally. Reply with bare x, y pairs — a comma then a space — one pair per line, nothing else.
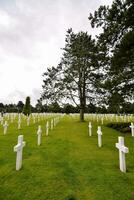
82, 114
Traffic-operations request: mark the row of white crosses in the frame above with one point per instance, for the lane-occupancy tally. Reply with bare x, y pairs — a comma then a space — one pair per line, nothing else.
19, 147
120, 145
39, 131
99, 132
5, 125
131, 126
51, 125
109, 117
7, 116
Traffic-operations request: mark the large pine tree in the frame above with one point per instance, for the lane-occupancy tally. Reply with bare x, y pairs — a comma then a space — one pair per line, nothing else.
77, 76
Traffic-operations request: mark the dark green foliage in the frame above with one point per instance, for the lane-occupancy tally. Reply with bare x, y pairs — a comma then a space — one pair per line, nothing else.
54, 107
115, 103
77, 76
20, 106
128, 107
117, 41
27, 107
40, 107
122, 127
90, 108
70, 109
1, 107
10, 108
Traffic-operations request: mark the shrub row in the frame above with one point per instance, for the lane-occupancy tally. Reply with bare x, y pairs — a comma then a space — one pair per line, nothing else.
120, 126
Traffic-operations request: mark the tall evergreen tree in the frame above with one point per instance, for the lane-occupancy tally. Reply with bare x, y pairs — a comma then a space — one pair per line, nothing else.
27, 106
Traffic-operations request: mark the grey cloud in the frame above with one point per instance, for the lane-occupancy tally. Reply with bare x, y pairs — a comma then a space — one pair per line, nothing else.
14, 97
34, 35
39, 21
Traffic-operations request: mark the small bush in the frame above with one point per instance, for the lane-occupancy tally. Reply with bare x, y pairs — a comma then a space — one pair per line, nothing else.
120, 126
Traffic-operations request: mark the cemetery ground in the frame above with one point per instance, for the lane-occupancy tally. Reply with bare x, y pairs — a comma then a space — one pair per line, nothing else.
68, 165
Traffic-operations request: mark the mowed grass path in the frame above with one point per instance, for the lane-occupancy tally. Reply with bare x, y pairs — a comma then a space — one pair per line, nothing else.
67, 166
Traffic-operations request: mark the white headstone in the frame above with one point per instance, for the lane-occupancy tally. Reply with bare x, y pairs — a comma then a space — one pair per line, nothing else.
34, 120
2, 120
12, 118
90, 129
54, 120
99, 132
39, 133
28, 121
5, 127
19, 123
132, 128
19, 149
47, 128
51, 124
102, 120
122, 150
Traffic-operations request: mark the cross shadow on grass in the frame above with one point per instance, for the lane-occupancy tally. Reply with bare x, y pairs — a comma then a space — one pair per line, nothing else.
71, 197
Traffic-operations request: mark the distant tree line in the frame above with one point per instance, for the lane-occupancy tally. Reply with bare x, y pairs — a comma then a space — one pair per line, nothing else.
17, 108
66, 108
127, 108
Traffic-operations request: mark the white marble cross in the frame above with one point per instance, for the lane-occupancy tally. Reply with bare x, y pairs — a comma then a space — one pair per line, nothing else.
19, 123
5, 125
51, 124
90, 129
39, 133
132, 128
47, 128
99, 132
19, 149
54, 120
122, 150
28, 121
116, 118
2, 120
34, 120
102, 120
19, 116
12, 118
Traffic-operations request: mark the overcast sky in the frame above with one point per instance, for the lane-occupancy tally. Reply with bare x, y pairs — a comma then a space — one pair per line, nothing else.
32, 33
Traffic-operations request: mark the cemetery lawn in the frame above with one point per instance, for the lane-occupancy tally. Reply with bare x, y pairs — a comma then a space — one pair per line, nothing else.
67, 166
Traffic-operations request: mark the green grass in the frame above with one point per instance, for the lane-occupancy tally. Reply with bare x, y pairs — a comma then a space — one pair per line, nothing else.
67, 166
